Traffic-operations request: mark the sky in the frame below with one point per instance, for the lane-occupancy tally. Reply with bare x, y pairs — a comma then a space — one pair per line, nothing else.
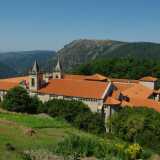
51, 24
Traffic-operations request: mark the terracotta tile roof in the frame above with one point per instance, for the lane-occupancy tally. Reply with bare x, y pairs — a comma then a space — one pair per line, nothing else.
123, 86
4, 85
149, 79
116, 94
16, 79
112, 101
75, 77
97, 77
75, 88
125, 103
138, 90
140, 102
123, 80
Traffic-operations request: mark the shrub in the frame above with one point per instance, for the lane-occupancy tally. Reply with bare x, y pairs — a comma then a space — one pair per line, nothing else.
76, 113
91, 122
139, 125
134, 151
87, 145
18, 100
64, 108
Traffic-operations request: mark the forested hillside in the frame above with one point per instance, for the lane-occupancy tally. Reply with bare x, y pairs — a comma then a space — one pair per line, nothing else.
128, 67
18, 63
82, 51
6, 71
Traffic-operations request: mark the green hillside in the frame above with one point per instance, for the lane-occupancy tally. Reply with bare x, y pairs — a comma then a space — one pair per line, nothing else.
22, 134
128, 67
6, 71
18, 63
15, 137
82, 51
139, 50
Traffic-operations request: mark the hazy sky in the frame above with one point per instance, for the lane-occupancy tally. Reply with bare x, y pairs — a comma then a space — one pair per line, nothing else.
50, 24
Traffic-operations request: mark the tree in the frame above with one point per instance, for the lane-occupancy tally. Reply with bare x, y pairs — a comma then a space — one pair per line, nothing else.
139, 125
91, 122
18, 100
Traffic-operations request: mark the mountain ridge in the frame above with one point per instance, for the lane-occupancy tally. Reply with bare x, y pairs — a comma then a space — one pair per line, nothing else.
84, 50
76, 53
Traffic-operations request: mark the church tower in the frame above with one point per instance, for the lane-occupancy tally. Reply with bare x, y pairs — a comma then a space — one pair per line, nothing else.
57, 73
35, 77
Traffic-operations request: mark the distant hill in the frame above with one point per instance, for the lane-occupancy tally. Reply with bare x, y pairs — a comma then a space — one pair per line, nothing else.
18, 63
74, 54
6, 71
81, 51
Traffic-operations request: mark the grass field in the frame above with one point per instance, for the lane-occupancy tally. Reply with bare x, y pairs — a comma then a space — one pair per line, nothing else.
13, 130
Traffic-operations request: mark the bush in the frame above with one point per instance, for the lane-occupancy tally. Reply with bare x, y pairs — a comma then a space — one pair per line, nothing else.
18, 100
76, 113
64, 109
134, 151
87, 145
139, 125
91, 122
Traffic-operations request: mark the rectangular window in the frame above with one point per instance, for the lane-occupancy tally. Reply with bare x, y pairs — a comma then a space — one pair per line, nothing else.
33, 82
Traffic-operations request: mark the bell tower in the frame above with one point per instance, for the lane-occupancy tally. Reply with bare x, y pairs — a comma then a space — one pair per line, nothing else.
35, 77
57, 72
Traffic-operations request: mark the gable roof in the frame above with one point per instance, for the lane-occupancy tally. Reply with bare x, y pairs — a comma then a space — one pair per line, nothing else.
138, 90
97, 77
123, 80
75, 77
75, 88
140, 102
149, 79
123, 86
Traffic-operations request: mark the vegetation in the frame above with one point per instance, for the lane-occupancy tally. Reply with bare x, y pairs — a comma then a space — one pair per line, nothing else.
129, 67
83, 51
18, 63
138, 125
18, 100
139, 128
76, 113
88, 145
54, 136
34, 121
15, 133
75, 53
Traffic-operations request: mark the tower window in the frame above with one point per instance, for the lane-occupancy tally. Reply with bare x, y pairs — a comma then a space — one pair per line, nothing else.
33, 82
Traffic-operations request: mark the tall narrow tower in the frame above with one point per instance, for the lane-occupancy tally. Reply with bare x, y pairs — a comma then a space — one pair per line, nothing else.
35, 77
57, 72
